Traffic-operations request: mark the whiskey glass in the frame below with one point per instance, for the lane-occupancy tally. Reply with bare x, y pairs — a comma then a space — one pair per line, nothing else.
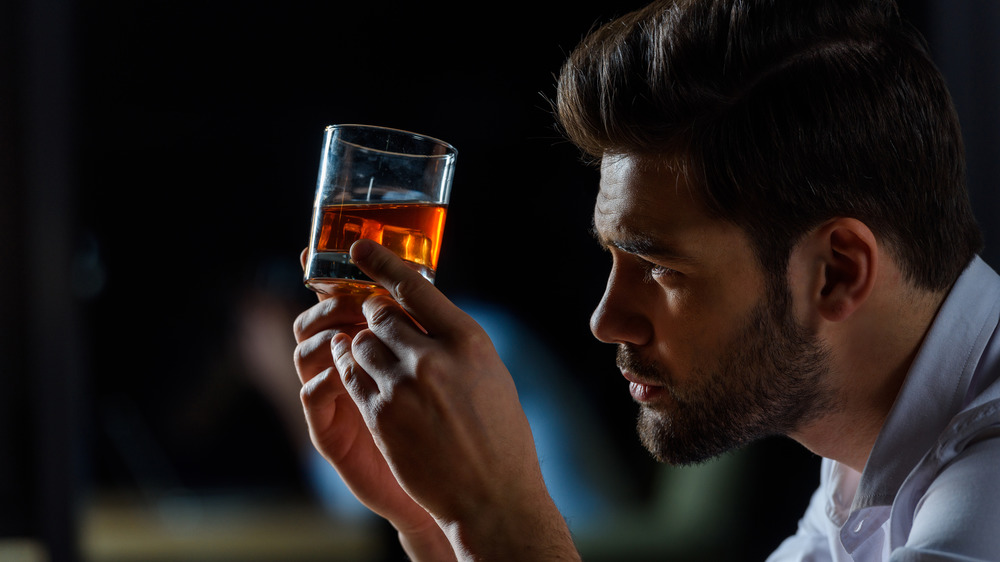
387, 185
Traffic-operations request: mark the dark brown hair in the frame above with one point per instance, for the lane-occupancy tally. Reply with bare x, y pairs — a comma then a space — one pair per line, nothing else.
787, 113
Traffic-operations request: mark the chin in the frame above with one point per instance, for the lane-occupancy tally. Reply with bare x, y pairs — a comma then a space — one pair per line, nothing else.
682, 444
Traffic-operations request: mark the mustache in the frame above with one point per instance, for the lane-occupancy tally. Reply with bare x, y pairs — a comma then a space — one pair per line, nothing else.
630, 360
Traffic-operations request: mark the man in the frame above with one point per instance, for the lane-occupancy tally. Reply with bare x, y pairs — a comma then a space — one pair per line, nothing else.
782, 196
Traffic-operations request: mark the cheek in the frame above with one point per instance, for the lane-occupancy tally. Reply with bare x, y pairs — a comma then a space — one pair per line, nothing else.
684, 327
693, 327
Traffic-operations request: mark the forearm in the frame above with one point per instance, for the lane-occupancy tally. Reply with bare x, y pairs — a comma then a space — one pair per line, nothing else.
536, 533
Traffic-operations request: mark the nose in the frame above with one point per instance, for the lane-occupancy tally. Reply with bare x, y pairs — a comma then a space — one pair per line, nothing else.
622, 315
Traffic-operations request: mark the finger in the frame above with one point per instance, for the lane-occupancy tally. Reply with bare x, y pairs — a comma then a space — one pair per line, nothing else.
375, 357
339, 313
313, 355
428, 306
358, 383
319, 395
386, 318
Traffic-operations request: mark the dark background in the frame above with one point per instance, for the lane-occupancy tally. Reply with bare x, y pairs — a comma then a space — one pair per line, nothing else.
157, 161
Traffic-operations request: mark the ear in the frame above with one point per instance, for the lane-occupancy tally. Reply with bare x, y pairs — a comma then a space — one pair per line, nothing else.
847, 257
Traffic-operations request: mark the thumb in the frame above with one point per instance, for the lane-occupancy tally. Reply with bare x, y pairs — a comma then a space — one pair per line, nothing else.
414, 293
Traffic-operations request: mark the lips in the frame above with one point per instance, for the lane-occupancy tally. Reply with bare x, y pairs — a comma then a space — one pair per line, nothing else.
647, 379
643, 392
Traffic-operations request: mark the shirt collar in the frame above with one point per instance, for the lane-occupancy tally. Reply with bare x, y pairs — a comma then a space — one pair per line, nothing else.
935, 387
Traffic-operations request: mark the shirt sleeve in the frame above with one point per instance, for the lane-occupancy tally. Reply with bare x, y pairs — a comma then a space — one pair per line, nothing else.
958, 517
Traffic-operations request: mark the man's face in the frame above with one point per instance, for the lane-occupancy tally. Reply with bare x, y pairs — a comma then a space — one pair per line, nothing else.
714, 357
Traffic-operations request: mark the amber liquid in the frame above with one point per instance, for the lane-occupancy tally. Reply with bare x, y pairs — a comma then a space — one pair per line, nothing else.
411, 230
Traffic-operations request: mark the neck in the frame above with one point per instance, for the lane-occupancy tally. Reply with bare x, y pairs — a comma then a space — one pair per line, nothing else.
871, 355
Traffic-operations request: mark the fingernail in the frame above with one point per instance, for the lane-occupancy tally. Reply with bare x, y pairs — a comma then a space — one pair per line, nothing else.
361, 249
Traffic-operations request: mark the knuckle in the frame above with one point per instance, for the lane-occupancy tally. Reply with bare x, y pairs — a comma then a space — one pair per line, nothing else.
348, 376
306, 395
428, 368
381, 312
298, 327
310, 347
362, 346
336, 302
309, 392
298, 358
335, 312
408, 288
379, 316
476, 339
472, 342
363, 337
311, 354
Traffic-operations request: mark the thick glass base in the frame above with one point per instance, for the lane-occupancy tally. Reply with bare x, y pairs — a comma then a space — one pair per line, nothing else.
331, 273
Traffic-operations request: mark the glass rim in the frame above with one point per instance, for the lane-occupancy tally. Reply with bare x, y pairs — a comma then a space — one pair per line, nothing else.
450, 150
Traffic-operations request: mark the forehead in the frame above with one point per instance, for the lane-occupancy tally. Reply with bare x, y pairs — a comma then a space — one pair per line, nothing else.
640, 195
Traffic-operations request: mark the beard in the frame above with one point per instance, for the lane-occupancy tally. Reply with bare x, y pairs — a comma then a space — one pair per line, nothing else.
769, 380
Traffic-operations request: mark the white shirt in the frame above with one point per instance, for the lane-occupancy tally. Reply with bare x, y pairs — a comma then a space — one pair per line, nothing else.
930, 490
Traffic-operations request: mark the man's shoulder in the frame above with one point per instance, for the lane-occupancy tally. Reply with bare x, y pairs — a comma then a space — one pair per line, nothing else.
951, 501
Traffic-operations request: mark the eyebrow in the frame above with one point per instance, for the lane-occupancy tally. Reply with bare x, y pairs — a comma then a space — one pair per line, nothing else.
641, 244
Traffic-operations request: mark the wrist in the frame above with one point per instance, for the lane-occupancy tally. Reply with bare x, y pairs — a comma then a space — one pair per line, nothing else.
536, 532
425, 542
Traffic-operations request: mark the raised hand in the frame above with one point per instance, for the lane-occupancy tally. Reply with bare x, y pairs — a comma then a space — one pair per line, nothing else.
339, 433
442, 409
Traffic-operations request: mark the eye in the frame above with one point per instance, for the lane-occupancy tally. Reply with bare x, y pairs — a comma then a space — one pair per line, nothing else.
657, 272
